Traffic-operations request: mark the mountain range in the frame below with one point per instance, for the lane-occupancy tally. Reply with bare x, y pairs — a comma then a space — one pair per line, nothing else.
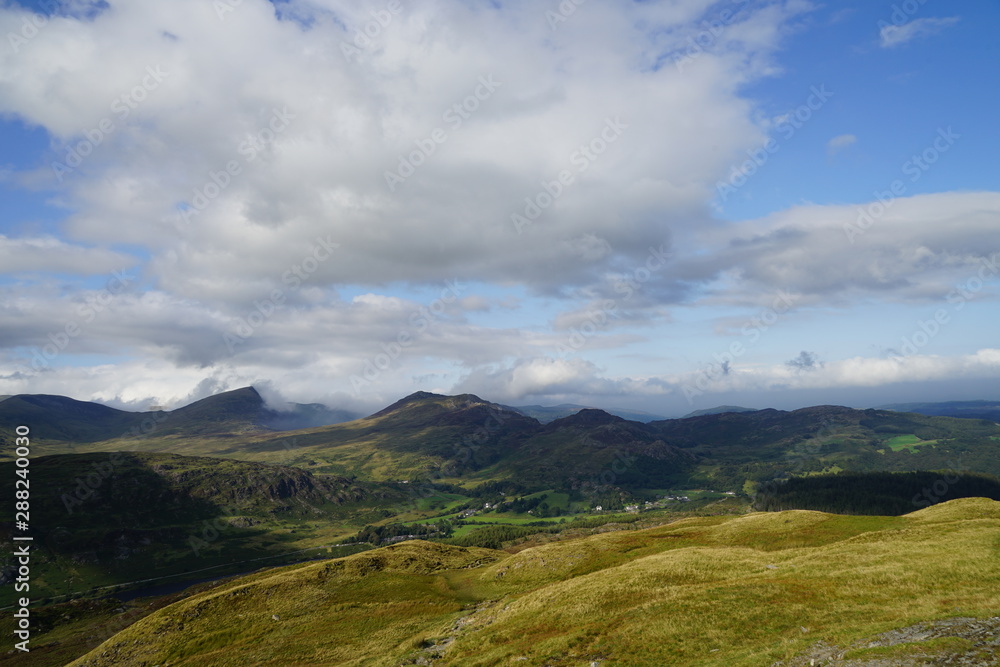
124, 501
965, 409
466, 440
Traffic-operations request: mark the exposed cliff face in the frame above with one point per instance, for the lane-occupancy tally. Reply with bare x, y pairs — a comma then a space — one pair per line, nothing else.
248, 483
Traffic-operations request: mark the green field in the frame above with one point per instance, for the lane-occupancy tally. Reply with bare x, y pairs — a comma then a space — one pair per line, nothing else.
908, 442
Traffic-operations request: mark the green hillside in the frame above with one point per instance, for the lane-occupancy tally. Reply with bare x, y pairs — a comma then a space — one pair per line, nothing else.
715, 591
734, 448
103, 520
57, 418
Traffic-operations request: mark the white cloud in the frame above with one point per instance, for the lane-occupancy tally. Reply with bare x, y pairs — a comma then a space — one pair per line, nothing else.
47, 254
912, 249
278, 146
351, 121
840, 142
895, 35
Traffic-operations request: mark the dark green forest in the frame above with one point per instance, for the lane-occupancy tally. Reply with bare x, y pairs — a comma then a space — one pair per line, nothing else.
873, 493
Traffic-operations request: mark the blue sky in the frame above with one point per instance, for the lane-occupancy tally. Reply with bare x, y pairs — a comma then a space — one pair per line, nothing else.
663, 206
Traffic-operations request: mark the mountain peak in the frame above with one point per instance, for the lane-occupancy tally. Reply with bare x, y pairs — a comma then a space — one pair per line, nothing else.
416, 398
587, 417
437, 403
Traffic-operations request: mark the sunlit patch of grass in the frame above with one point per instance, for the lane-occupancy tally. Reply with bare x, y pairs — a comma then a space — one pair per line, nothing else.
910, 442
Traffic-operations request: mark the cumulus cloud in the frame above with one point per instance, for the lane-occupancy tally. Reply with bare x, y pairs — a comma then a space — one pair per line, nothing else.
575, 379
891, 36
502, 89
284, 182
912, 249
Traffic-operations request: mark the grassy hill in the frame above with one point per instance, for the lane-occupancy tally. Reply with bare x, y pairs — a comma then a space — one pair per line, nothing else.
62, 419
747, 591
734, 448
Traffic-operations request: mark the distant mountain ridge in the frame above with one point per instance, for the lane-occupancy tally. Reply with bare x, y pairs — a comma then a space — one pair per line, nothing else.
466, 440
963, 409
718, 411
547, 413
237, 411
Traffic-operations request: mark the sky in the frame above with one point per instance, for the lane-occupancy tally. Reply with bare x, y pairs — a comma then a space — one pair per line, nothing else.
663, 206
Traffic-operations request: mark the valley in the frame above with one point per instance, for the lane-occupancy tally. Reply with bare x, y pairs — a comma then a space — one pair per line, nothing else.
422, 498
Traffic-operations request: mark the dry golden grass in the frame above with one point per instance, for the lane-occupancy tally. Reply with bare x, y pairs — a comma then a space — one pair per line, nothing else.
733, 591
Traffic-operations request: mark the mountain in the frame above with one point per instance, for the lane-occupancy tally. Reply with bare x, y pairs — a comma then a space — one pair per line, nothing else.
593, 449
65, 419
965, 409
809, 585
240, 411
244, 409
718, 411
735, 448
545, 414
430, 438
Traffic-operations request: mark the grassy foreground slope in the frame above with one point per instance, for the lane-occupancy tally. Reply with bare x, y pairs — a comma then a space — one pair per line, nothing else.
750, 590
